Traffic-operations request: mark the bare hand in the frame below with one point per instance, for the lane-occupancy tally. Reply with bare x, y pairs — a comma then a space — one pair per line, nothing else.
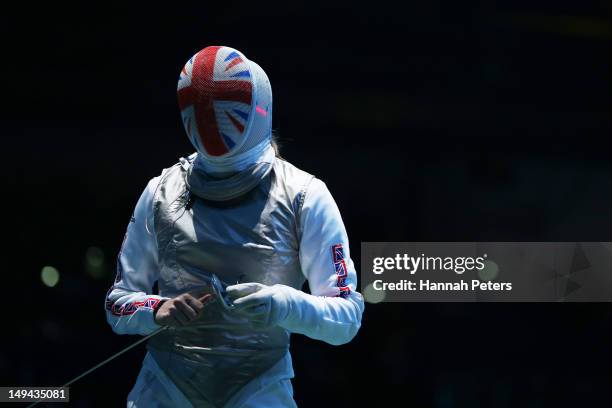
182, 310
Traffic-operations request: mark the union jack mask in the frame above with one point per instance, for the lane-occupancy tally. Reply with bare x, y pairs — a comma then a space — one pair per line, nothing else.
225, 102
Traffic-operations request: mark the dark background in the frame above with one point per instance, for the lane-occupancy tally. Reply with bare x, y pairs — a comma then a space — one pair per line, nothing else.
433, 121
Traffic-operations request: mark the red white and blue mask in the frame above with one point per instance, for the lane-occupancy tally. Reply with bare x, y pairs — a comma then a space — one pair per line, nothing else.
226, 105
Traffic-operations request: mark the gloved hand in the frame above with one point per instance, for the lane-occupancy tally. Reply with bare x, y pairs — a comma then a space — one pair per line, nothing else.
265, 306
334, 320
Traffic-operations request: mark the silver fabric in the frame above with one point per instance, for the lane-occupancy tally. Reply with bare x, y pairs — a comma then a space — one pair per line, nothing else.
249, 239
210, 187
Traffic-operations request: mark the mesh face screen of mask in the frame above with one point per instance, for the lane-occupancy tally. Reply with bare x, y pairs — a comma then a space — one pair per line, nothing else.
216, 96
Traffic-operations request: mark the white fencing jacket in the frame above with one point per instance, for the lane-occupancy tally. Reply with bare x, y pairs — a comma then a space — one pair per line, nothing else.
331, 313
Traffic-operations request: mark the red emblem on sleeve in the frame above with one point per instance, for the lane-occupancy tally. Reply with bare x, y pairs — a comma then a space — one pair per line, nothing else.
341, 270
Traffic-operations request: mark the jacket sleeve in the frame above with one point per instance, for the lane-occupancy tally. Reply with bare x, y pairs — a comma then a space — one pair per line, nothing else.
129, 304
333, 311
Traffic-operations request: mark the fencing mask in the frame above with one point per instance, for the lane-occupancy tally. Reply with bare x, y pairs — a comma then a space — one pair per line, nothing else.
226, 106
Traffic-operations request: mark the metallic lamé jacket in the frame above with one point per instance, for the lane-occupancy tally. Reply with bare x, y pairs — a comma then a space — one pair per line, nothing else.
286, 230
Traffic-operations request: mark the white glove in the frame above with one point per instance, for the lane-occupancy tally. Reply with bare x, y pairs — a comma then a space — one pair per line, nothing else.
265, 306
332, 319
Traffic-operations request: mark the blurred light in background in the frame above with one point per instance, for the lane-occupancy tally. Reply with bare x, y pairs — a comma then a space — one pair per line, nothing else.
372, 295
94, 262
49, 276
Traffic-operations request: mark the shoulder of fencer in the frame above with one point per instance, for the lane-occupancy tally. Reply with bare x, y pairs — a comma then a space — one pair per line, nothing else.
308, 191
318, 198
295, 181
155, 183
183, 164
290, 173
186, 161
